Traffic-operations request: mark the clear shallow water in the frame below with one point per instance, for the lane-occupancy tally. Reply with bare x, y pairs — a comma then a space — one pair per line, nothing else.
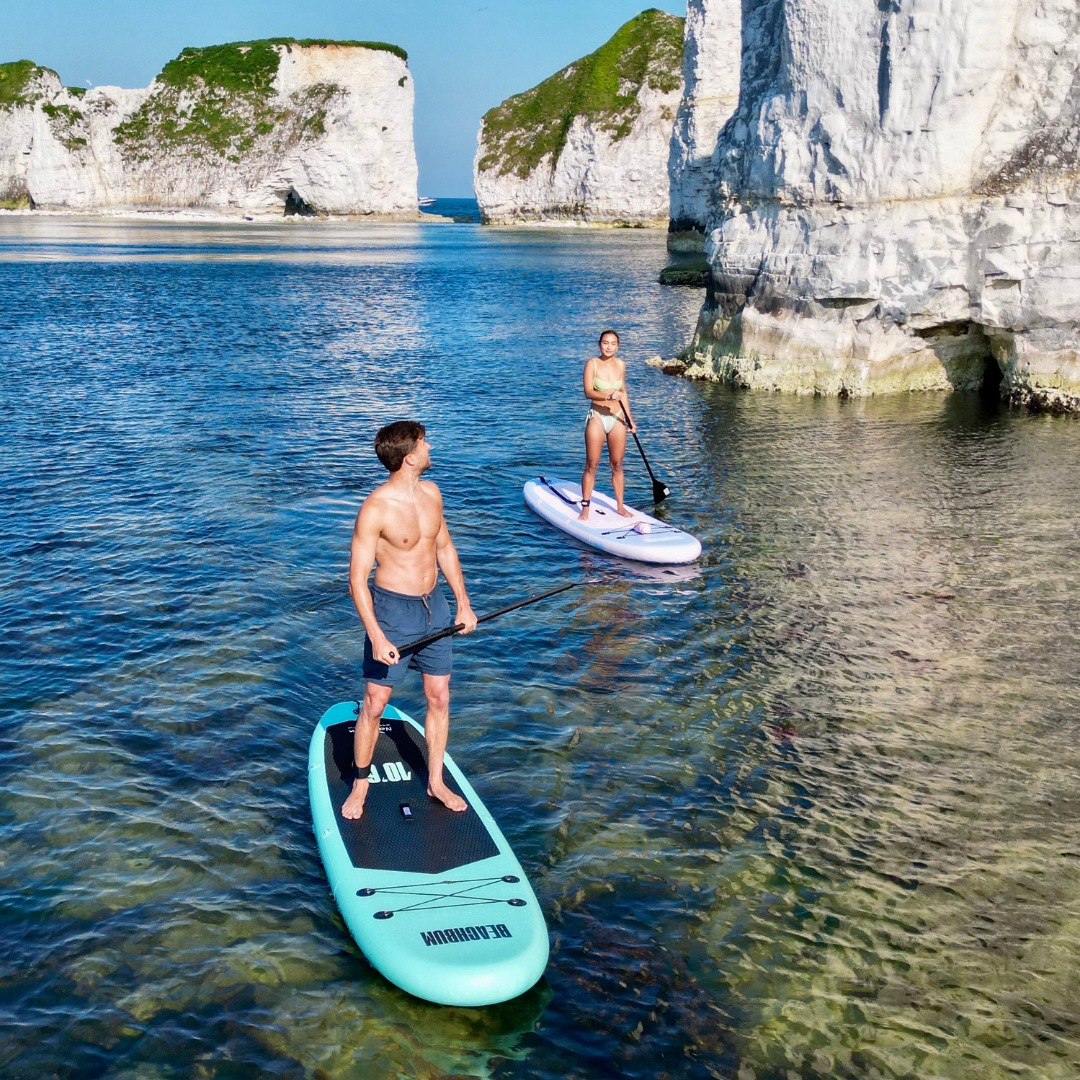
810, 813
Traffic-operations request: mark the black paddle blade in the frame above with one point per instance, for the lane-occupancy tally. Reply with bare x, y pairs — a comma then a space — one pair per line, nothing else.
659, 491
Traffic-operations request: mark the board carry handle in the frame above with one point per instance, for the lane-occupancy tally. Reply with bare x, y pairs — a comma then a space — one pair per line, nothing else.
551, 487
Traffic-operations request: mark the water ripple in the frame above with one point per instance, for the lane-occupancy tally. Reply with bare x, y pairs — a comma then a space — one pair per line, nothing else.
809, 810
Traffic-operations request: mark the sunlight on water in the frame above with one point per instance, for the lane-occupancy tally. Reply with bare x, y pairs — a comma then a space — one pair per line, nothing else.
808, 811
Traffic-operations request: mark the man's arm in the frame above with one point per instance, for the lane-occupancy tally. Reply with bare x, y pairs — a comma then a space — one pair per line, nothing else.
447, 557
361, 560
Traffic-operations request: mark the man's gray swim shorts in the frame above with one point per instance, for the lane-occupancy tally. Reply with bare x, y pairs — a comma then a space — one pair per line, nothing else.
402, 619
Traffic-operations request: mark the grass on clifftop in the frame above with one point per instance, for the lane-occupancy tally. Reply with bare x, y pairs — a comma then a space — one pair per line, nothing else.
19, 83
378, 46
603, 86
246, 66
243, 67
219, 101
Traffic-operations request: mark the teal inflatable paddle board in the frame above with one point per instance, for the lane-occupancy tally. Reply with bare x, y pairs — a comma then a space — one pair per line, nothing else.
436, 899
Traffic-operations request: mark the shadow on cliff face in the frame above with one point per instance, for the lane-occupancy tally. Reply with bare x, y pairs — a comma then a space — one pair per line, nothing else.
295, 206
966, 354
991, 389
16, 196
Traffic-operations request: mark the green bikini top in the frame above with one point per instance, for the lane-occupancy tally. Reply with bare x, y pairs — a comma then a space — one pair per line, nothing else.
598, 385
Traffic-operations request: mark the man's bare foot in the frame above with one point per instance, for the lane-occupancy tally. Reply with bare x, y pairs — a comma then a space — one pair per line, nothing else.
623, 512
447, 797
353, 806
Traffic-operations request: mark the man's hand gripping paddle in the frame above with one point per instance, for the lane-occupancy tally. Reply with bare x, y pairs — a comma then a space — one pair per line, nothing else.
423, 642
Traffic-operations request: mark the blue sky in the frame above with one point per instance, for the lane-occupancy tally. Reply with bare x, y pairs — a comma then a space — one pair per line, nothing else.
465, 57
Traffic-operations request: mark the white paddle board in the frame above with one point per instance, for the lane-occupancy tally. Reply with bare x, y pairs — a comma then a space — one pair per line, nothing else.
640, 536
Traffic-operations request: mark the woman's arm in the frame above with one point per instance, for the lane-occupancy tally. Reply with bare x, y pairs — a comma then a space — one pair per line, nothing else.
622, 399
607, 396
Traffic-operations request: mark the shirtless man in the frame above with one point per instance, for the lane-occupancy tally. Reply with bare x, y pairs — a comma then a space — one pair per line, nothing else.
401, 531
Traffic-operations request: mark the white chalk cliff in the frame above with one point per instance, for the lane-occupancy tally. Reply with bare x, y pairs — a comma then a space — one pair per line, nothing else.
254, 127
712, 47
590, 144
896, 201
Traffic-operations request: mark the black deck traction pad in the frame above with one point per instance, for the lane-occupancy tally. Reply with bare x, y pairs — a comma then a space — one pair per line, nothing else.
435, 840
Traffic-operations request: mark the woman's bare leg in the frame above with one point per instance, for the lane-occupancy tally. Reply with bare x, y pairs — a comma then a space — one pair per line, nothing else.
616, 449
594, 445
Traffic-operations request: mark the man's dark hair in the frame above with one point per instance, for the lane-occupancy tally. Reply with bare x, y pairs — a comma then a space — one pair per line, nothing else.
605, 334
396, 441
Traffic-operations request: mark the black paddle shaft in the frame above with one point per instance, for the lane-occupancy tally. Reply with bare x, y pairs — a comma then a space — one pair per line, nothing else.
423, 642
660, 490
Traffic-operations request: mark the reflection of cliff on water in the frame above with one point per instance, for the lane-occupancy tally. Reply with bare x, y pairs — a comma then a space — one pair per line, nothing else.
878, 906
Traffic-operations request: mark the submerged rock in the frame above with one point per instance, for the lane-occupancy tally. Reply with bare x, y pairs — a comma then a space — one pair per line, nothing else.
896, 201
712, 46
691, 272
308, 127
590, 144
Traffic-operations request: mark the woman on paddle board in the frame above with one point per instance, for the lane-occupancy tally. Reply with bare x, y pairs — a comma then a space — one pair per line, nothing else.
606, 420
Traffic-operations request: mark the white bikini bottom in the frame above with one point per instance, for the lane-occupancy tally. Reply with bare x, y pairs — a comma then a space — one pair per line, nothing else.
605, 418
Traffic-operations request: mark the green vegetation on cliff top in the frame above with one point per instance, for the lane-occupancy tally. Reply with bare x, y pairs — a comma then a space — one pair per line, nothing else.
246, 66
243, 66
602, 86
219, 100
378, 46
18, 83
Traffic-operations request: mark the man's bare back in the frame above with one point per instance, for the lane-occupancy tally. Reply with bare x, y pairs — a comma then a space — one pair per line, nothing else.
401, 532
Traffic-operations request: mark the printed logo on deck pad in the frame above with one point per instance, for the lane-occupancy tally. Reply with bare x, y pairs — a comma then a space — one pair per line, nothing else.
465, 933
393, 771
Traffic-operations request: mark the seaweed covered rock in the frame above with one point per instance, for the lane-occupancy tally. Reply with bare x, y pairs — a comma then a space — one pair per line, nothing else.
262, 126
591, 143
896, 203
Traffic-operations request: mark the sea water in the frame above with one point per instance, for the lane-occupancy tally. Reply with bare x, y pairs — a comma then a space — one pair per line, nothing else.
808, 810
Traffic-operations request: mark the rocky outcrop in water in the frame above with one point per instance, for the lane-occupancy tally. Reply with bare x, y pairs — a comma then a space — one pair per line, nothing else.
712, 45
263, 126
897, 200
590, 144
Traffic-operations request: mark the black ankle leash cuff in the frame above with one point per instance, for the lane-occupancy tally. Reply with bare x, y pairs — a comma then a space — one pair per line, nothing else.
364, 773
